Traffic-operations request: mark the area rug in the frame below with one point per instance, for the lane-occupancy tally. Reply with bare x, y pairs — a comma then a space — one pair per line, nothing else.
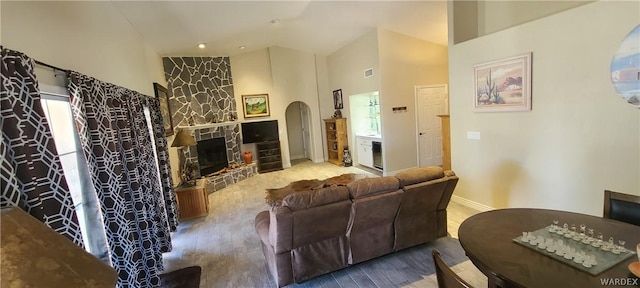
188, 277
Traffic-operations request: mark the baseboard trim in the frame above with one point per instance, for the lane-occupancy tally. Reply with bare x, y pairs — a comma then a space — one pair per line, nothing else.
471, 204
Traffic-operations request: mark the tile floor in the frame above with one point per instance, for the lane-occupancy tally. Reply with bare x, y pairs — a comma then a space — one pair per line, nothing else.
225, 244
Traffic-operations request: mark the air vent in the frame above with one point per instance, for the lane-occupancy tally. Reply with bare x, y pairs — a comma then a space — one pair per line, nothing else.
368, 73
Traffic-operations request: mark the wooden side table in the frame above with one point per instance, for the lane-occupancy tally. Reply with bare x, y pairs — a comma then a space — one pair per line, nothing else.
193, 201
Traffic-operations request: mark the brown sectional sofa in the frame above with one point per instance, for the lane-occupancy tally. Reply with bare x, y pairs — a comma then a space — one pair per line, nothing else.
319, 231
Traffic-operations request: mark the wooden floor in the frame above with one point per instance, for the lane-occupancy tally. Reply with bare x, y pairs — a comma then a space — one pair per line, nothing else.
225, 244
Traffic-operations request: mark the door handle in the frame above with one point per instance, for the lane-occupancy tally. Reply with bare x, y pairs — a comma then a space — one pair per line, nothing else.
420, 133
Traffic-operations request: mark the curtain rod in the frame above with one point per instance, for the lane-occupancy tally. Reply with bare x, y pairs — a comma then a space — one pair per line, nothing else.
51, 66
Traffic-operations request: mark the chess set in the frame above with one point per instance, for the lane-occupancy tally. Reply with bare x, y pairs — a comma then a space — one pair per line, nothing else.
580, 249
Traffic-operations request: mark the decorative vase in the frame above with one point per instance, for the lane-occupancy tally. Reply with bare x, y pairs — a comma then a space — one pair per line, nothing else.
346, 158
248, 157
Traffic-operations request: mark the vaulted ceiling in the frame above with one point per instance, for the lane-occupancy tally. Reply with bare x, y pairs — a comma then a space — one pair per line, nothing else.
175, 28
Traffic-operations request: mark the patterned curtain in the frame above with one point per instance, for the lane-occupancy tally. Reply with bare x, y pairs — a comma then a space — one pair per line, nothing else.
31, 174
117, 144
164, 166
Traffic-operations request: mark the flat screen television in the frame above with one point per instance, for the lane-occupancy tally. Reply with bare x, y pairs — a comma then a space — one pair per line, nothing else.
261, 131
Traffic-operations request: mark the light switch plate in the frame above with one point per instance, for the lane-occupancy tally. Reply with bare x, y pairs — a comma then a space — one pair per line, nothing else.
473, 135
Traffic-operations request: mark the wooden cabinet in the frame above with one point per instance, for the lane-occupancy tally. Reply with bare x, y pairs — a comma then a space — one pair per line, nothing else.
336, 139
193, 201
269, 156
446, 142
365, 155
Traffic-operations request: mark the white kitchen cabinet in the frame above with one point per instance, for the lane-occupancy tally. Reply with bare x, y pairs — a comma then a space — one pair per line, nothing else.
365, 156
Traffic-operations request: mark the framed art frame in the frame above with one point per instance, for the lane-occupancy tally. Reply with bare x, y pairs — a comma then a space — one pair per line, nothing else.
255, 105
165, 109
503, 85
337, 99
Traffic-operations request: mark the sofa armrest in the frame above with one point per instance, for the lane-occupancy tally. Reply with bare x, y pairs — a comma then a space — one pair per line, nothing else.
281, 228
452, 181
262, 227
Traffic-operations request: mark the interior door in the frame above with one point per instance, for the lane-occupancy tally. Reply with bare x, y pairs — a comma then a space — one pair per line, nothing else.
431, 101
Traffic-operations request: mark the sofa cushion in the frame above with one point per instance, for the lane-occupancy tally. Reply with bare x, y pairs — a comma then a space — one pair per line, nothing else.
417, 175
373, 186
313, 198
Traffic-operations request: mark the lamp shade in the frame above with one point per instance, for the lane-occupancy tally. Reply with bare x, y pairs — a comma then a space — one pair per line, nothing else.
183, 138
33, 255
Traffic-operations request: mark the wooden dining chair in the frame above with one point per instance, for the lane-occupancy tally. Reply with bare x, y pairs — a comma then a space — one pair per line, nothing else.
446, 277
622, 207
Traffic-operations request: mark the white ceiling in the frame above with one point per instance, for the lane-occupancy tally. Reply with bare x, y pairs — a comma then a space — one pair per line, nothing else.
174, 28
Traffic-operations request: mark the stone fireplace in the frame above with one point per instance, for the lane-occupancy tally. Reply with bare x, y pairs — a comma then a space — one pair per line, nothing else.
201, 92
231, 136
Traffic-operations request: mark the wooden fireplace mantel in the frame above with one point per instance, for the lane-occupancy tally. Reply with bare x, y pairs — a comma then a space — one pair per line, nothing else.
208, 125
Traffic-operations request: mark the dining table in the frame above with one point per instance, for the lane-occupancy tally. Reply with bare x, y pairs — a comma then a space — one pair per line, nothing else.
488, 240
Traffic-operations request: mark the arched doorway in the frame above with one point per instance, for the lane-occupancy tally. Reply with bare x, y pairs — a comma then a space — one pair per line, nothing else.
298, 125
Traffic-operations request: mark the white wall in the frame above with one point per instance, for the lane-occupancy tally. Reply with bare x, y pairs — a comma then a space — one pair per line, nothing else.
287, 76
471, 19
325, 104
399, 63
295, 79
498, 15
580, 138
404, 63
251, 73
346, 71
88, 37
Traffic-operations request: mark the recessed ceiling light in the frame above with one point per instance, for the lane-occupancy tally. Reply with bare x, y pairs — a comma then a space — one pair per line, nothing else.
201, 45
242, 47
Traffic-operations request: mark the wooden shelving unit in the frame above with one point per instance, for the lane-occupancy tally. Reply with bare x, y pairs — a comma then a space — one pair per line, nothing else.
269, 156
336, 139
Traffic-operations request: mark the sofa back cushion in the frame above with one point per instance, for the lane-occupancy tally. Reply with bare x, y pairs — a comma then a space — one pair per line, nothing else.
319, 242
373, 186
417, 220
371, 225
313, 198
417, 175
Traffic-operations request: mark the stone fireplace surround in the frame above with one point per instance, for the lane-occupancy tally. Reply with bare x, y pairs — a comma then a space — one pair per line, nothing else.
201, 92
231, 134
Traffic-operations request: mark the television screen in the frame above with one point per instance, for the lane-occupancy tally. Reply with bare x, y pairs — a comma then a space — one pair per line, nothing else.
262, 131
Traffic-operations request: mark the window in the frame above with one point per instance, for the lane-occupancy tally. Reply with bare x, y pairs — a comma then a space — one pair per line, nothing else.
58, 112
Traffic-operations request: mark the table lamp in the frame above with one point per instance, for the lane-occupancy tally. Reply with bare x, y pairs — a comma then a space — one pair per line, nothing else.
183, 138
34, 255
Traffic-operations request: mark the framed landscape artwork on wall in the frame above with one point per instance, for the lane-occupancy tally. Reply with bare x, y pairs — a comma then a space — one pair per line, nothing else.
255, 105
503, 85
165, 108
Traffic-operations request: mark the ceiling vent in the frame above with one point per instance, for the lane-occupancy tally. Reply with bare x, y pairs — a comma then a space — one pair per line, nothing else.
368, 73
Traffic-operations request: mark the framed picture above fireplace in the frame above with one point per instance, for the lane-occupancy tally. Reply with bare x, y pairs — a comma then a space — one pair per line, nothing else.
165, 108
255, 105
